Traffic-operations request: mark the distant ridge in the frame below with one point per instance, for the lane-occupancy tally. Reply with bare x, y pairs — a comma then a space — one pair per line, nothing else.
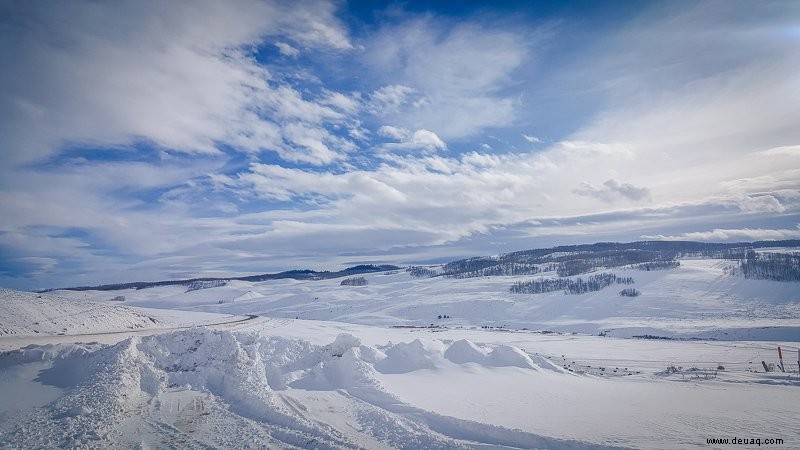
658, 250
568, 260
297, 274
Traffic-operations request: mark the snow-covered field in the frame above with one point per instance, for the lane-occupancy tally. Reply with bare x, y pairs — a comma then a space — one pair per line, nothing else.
696, 300
331, 366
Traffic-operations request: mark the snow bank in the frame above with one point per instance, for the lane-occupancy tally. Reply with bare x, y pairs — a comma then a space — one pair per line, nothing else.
507, 355
342, 344
464, 351
108, 389
415, 355
431, 354
109, 385
544, 363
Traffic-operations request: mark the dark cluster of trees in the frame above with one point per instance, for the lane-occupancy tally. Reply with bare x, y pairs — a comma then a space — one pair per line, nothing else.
569, 286
421, 272
504, 269
771, 266
469, 265
205, 284
611, 258
658, 265
666, 249
629, 292
571, 260
354, 281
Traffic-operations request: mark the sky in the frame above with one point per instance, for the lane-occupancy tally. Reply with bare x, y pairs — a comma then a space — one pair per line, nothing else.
148, 140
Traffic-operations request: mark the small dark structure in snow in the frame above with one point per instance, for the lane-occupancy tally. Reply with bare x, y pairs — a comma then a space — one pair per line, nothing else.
119, 298
629, 292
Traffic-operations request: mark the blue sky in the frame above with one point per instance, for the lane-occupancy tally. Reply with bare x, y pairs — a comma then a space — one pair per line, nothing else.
151, 140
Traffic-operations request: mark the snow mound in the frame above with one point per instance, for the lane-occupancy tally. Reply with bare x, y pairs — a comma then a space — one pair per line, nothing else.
508, 355
108, 386
343, 343
433, 354
340, 372
341, 364
407, 357
546, 364
464, 351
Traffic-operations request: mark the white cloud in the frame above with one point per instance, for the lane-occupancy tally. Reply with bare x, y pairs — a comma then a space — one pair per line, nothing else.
787, 150
743, 234
286, 49
342, 102
760, 204
399, 134
424, 140
176, 75
389, 98
695, 119
427, 140
459, 72
313, 145
688, 123
532, 139
613, 190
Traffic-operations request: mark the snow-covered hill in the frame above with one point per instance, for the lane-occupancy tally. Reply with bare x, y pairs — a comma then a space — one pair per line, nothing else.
30, 317
23, 313
697, 299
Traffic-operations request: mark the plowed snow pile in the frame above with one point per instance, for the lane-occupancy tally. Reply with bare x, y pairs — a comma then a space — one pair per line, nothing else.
200, 387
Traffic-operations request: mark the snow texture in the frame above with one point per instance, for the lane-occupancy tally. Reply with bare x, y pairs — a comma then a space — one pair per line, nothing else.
241, 366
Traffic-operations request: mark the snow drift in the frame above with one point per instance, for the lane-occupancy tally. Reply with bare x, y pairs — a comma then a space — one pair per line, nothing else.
135, 383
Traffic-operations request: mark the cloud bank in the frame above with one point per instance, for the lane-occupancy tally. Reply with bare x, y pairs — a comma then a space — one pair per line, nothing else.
149, 140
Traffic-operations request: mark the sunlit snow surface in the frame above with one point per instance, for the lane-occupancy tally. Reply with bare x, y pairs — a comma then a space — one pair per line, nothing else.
105, 374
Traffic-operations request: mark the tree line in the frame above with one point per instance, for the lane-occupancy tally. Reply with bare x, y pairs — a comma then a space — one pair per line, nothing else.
354, 281
771, 266
568, 285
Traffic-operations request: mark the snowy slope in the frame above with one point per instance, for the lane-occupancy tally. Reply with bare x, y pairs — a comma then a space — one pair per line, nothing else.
23, 313
26, 317
698, 299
